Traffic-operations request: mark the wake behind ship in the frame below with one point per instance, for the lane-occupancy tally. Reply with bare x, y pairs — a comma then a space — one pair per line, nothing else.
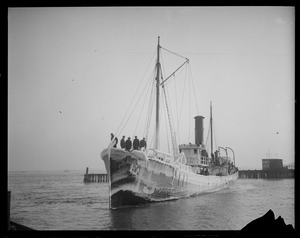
149, 175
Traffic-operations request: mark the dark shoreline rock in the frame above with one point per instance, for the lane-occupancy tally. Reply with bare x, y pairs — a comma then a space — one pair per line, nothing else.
267, 224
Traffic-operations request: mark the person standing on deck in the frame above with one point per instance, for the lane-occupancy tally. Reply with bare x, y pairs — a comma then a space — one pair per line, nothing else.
122, 143
143, 143
115, 142
128, 144
136, 143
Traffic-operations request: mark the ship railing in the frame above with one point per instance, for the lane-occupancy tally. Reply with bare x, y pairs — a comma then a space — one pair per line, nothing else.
178, 162
160, 155
186, 146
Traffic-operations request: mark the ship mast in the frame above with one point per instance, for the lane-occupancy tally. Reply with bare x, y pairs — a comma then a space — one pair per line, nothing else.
211, 130
157, 98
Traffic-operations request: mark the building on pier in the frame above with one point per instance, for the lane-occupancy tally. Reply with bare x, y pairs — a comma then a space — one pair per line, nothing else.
271, 169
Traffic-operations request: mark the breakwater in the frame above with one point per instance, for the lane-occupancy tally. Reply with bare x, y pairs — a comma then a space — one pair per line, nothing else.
266, 174
243, 174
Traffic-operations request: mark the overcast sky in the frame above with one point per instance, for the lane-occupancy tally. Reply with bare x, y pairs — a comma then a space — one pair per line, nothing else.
72, 73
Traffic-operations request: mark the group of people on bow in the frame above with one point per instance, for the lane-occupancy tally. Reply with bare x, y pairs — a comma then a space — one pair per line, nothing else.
128, 144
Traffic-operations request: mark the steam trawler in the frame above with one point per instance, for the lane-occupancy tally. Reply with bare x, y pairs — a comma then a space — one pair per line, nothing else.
150, 175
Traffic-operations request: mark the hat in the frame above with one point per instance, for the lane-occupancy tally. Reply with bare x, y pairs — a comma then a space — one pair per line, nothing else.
128, 137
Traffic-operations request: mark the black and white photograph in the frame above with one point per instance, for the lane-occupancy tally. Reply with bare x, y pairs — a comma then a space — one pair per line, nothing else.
151, 118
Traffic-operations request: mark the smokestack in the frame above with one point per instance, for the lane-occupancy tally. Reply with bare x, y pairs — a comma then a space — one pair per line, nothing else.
199, 130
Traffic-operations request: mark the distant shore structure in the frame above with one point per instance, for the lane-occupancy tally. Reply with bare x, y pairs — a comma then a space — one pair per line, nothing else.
272, 168
94, 178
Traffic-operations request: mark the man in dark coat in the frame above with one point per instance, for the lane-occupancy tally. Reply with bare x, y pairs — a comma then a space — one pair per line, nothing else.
123, 144
115, 142
128, 144
143, 143
136, 143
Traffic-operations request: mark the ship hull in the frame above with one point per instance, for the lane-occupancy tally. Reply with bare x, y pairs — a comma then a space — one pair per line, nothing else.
136, 178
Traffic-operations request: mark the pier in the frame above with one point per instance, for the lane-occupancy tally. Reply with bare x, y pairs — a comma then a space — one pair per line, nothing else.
243, 174
272, 168
94, 178
266, 174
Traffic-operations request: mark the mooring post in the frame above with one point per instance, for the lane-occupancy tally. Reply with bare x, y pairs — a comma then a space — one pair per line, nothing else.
87, 170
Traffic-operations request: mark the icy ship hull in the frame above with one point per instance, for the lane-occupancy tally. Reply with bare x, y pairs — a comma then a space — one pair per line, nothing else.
136, 178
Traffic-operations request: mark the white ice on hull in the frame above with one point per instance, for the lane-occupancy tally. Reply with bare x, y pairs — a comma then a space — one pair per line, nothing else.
135, 177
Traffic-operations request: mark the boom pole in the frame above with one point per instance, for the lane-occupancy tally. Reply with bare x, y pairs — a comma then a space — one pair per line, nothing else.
157, 98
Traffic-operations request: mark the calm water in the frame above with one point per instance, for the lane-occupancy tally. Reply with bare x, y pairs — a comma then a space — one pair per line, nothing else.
61, 201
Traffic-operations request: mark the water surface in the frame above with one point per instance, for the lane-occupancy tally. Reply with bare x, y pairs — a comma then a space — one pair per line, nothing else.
61, 201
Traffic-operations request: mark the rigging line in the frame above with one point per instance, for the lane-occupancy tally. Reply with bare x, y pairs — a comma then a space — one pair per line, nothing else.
162, 73
177, 107
163, 65
181, 105
145, 99
166, 118
135, 106
173, 52
214, 131
149, 118
150, 108
162, 76
174, 72
135, 92
207, 136
160, 116
176, 99
168, 100
152, 138
173, 138
170, 117
142, 109
191, 75
189, 109
166, 123
151, 105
